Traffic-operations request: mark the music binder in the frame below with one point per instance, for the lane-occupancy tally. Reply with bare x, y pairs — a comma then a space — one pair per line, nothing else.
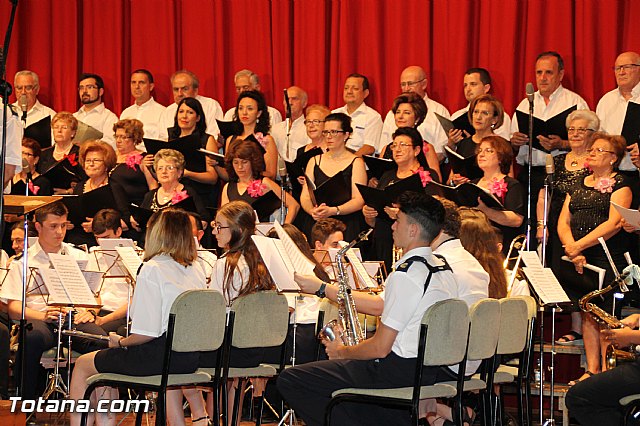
188, 146
555, 125
381, 198
467, 194
376, 166
265, 205
40, 131
631, 125
213, 155
61, 174
85, 132
88, 204
334, 191
467, 167
229, 128
460, 123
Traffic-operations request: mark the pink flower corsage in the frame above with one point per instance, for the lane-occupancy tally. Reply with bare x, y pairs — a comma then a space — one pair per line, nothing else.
34, 188
179, 196
256, 188
605, 185
72, 158
425, 176
262, 139
133, 160
498, 188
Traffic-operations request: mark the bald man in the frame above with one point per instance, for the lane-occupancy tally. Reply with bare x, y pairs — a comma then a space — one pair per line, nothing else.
414, 79
248, 80
612, 107
288, 140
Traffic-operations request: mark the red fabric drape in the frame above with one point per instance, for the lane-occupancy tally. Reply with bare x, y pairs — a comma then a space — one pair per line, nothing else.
315, 44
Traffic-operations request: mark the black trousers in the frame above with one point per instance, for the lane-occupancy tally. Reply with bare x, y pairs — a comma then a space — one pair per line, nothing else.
42, 337
595, 401
308, 388
4, 361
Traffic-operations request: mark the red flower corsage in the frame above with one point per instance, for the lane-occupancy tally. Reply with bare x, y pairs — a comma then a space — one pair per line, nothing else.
72, 159
33, 188
179, 196
133, 160
498, 188
425, 176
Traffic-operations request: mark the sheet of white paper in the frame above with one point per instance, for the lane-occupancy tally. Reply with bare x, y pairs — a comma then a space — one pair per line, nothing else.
277, 261
543, 281
301, 263
630, 216
72, 279
129, 259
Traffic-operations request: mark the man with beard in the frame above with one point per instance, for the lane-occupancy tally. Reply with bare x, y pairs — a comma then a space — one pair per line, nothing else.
93, 112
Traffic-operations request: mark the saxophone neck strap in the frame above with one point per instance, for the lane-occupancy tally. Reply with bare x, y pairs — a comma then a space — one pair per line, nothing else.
404, 267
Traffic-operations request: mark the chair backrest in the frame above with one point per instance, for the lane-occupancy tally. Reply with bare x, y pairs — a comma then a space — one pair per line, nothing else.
261, 320
484, 316
514, 326
195, 311
447, 321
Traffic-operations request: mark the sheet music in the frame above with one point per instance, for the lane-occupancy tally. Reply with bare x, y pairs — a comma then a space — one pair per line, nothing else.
82, 263
631, 216
277, 261
334, 251
72, 280
53, 285
301, 263
543, 281
94, 280
601, 272
357, 265
129, 259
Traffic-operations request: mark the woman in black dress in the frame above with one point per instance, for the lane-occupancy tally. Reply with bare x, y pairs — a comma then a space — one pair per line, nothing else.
588, 215
338, 159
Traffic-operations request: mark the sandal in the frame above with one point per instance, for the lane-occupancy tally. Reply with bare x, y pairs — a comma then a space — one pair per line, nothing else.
585, 376
571, 338
208, 420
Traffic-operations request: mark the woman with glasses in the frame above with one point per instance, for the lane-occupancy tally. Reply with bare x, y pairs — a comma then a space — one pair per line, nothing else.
586, 216
64, 126
169, 167
569, 169
410, 110
485, 114
495, 156
338, 159
245, 164
408, 155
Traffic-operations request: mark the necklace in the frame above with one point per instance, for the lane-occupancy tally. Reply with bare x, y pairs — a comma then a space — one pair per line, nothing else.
168, 194
576, 158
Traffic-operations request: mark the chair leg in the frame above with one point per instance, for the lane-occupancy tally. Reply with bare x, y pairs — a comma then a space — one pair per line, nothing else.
521, 403
161, 408
260, 408
215, 395
236, 403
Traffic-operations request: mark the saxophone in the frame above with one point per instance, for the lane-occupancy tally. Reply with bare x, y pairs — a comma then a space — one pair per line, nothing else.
347, 321
613, 353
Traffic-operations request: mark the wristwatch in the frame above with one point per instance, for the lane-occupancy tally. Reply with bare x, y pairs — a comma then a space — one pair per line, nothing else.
321, 293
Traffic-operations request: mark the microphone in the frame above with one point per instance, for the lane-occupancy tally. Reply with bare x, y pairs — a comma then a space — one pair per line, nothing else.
529, 90
287, 104
549, 167
23, 106
282, 167
27, 169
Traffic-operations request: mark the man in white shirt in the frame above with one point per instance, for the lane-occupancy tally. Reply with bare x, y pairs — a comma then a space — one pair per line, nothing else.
50, 222
93, 112
366, 121
145, 108
288, 140
476, 82
248, 80
612, 107
27, 83
388, 358
414, 79
185, 84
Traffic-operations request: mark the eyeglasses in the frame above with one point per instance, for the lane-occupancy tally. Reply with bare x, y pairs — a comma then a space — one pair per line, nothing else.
411, 83
28, 154
87, 87
333, 133
599, 151
486, 150
167, 168
216, 227
483, 113
93, 161
626, 67
579, 130
28, 88
400, 145
314, 122
122, 137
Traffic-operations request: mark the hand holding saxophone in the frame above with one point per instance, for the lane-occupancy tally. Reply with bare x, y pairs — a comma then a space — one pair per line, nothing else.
622, 337
335, 347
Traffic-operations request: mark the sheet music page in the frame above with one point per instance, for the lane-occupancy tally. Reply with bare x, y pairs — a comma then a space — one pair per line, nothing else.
82, 264
94, 280
129, 259
543, 281
72, 279
359, 268
57, 292
630, 216
301, 263
278, 263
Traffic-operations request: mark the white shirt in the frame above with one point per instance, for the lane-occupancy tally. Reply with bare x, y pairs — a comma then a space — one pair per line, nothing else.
559, 101
240, 277
611, 110
212, 111
306, 307
405, 301
14, 140
38, 258
101, 119
36, 113
504, 130
207, 261
367, 125
149, 113
297, 137
274, 116
430, 129
160, 281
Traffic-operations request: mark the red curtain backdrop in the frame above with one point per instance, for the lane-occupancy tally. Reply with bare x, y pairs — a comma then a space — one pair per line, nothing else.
315, 43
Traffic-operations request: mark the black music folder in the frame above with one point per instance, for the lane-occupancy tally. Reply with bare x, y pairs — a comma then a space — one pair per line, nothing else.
380, 198
297, 168
265, 205
40, 131
556, 125
61, 174
214, 156
631, 126
142, 214
376, 166
467, 167
229, 128
189, 146
334, 191
467, 194
88, 204
460, 123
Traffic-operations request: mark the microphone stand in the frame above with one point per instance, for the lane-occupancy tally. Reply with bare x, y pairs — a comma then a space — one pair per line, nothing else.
530, 146
284, 185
